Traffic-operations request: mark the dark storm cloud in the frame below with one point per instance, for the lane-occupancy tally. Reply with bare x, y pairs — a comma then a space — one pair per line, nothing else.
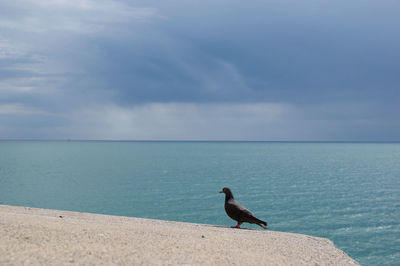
226, 51
289, 46
230, 51
57, 57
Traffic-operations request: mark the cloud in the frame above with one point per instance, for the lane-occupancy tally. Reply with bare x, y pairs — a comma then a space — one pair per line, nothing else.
172, 121
19, 109
344, 121
75, 16
326, 70
145, 52
205, 121
45, 46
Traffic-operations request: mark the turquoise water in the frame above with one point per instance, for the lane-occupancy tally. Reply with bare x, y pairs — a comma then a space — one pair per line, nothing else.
347, 192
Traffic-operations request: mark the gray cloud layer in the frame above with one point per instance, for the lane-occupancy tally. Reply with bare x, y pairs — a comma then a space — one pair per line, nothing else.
334, 66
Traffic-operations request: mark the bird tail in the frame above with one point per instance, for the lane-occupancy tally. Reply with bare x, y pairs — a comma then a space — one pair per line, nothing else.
262, 223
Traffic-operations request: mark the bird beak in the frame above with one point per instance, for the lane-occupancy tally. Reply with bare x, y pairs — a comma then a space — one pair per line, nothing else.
221, 191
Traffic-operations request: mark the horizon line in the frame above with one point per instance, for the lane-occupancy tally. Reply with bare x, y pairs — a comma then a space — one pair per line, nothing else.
194, 140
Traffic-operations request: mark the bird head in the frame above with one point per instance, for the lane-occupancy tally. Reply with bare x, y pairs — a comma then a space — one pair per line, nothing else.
225, 190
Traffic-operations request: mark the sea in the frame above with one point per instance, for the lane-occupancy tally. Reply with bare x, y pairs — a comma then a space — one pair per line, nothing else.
347, 192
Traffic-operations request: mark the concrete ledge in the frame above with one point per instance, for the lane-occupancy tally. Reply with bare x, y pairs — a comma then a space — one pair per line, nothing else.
41, 236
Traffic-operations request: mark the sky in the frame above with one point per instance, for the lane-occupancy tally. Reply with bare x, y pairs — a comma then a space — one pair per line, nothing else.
274, 70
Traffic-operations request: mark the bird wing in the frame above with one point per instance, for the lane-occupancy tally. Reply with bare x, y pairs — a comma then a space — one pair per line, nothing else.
238, 212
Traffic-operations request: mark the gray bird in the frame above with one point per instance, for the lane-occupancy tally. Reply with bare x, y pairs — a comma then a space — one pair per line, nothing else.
238, 212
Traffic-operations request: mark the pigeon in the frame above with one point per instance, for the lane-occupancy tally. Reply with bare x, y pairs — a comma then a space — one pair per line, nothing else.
238, 212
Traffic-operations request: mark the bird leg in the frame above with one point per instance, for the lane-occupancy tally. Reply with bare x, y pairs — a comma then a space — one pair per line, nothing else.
238, 225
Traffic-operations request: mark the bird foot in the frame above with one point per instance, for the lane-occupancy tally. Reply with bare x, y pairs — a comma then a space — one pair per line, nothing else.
237, 226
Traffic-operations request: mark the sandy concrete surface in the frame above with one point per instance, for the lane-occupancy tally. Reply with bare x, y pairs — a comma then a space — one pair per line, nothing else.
33, 236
